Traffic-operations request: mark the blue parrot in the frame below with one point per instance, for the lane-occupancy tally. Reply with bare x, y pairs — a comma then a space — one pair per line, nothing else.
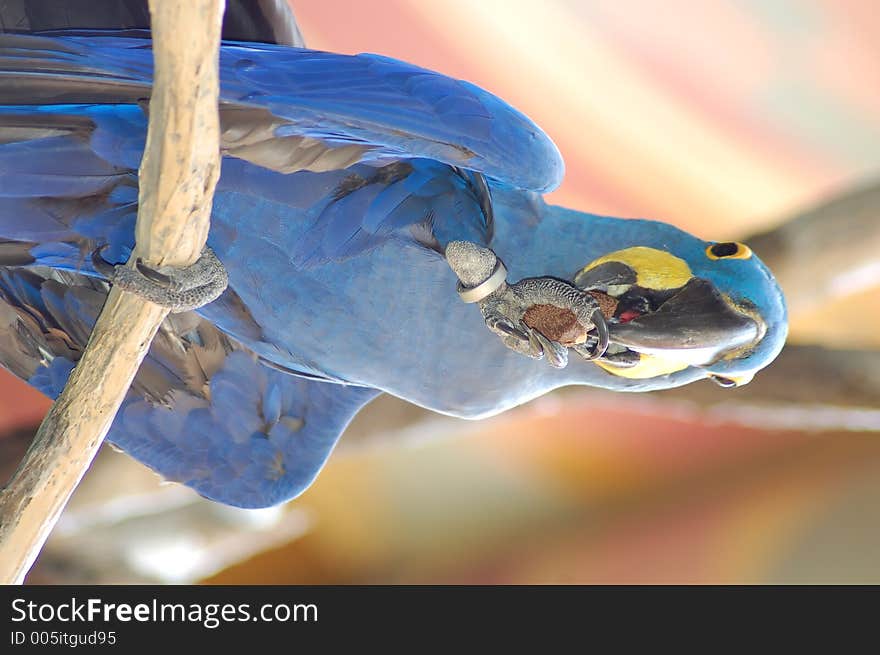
357, 194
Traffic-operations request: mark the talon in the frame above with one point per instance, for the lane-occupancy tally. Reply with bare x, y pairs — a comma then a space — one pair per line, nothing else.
510, 330
153, 275
557, 354
601, 338
602, 333
100, 264
503, 325
535, 346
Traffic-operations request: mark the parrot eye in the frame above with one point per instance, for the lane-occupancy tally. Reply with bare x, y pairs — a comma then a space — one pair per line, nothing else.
728, 250
724, 383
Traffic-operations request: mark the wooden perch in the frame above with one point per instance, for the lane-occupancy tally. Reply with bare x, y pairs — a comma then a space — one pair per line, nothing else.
827, 252
178, 173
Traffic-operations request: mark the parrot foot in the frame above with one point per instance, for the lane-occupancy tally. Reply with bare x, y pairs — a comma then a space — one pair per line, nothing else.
536, 317
178, 289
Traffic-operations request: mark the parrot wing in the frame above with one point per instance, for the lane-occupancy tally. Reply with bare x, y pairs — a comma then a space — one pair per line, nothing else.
203, 410
290, 109
68, 183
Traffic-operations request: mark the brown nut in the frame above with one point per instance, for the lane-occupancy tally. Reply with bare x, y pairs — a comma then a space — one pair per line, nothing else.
556, 323
607, 304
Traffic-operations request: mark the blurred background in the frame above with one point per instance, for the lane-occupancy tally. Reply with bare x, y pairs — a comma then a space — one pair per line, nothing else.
727, 118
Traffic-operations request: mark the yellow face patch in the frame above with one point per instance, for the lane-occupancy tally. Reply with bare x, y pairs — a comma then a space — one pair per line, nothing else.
649, 366
655, 269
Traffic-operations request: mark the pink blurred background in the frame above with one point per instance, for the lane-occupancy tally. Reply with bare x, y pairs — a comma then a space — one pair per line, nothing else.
721, 116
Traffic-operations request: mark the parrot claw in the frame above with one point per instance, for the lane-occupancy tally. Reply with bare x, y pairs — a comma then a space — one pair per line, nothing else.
557, 354
153, 275
527, 341
522, 339
178, 289
100, 264
501, 324
595, 350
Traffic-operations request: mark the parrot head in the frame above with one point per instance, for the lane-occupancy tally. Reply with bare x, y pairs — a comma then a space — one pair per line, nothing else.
687, 304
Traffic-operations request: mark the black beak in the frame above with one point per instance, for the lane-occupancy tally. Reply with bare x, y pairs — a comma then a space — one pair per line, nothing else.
695, 318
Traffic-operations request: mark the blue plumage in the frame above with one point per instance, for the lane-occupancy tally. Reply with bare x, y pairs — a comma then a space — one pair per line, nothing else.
344, 180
